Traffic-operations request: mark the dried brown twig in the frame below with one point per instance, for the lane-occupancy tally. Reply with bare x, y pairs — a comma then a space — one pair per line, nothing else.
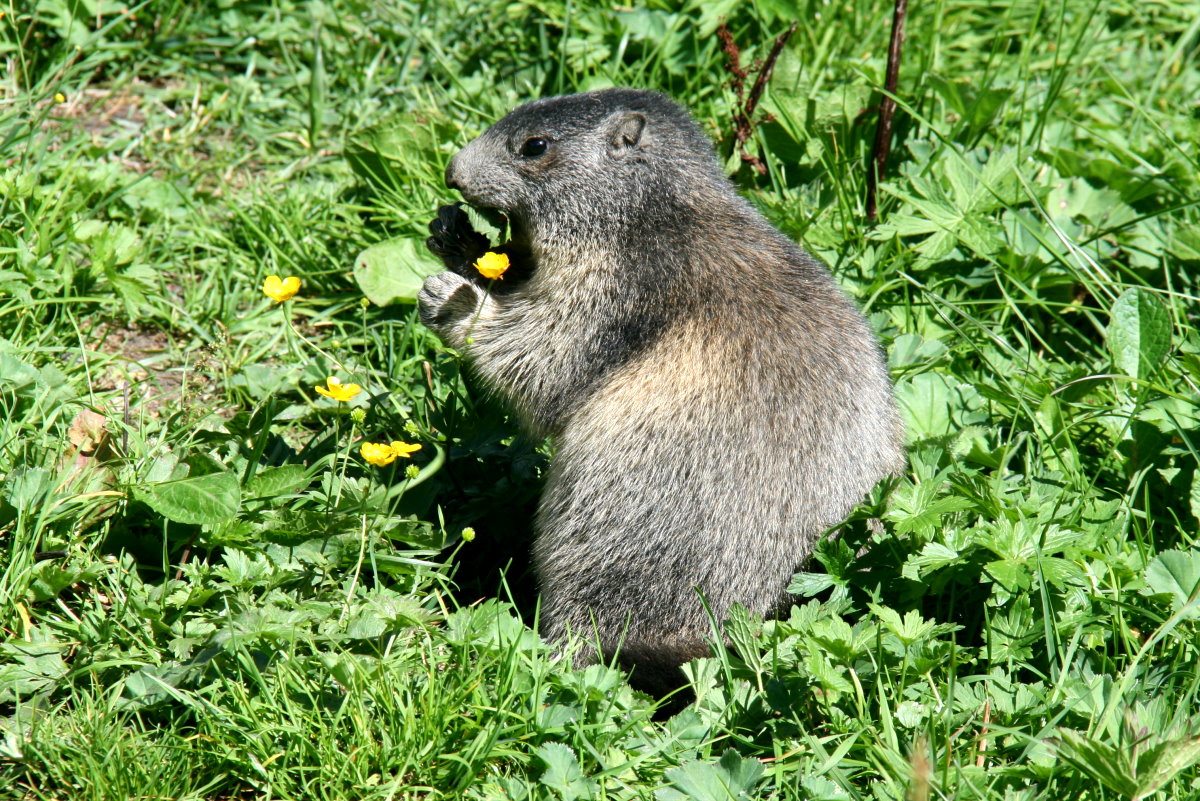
743, 113
887, 109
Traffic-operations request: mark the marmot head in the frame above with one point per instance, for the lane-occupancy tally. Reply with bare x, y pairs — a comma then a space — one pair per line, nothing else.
597, 157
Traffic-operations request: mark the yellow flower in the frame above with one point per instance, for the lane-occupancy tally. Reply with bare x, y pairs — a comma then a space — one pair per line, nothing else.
492, 265
281, 290
59, 97
377, 453
403, 449
381, 455
337, 390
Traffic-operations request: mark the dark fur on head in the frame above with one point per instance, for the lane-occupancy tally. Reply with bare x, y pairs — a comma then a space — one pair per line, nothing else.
717, 400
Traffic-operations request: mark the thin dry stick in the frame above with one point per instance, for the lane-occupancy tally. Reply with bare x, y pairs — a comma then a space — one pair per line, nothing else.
743, 115
981, 758
887, 109
922, 771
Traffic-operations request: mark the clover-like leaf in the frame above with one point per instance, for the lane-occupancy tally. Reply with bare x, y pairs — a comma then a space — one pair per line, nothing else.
1176, 574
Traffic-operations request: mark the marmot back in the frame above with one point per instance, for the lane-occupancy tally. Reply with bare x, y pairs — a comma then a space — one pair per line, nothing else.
717, 401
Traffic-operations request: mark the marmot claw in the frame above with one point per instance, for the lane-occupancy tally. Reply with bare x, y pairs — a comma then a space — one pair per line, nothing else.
444, 299
454, 240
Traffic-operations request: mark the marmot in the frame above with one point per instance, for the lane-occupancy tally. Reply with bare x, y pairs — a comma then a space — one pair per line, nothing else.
715, 399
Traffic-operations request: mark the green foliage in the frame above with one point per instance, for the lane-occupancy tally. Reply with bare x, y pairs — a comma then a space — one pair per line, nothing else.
732, 778
208, 499
393, 270
1176, 574
1136, 771
1139, 334
208, 594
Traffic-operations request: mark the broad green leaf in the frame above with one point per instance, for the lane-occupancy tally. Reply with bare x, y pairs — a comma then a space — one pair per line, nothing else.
385, 156
1194, 494
731, 779
925, 400
831, 677
27, 667
364, 624
911, 714
26, 486
1097, 760
87, 229
1010, 574
808, 584
154, 683
1060, 572
836, 557
1139, 333
1185, 243
839, 640
917, 509
15, 372
910, 349
394, 270
563, 774
745, 632
1115, 768
1175, 574
203, 464
277, 481
975, 108
933, 556
241, 570
820, 788
997, 184
206, 500
164, 467
911, 627
711, 14
1162, 762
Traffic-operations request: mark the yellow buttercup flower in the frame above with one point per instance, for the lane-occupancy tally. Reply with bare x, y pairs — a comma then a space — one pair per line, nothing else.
492, 265
59, 97
377, 453
381, 455
337, 390
403, 449
280, 290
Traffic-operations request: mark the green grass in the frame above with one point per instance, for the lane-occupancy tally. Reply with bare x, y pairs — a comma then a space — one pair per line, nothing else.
206, 593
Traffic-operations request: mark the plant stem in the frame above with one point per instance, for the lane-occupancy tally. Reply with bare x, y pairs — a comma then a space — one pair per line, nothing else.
887, 109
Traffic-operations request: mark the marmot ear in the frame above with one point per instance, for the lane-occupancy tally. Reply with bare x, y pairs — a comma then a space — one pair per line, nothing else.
627, 133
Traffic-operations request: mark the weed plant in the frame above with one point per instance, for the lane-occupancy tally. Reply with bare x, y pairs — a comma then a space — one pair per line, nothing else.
206, 591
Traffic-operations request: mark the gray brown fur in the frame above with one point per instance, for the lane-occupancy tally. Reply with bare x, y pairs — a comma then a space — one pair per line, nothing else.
715, 398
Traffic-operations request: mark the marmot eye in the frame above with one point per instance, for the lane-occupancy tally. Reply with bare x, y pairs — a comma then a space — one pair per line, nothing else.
534, 147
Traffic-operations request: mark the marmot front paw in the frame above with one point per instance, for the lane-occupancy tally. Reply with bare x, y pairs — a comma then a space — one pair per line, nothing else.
445, 299
454, 240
